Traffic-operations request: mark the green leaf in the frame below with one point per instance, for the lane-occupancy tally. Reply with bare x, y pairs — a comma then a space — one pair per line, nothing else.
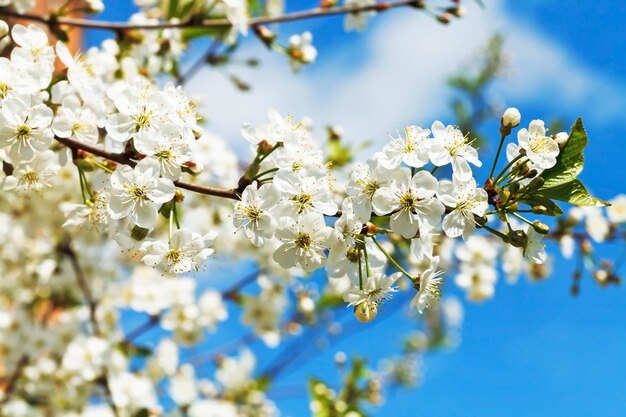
570, 161
142, 413
539, 200
573, 192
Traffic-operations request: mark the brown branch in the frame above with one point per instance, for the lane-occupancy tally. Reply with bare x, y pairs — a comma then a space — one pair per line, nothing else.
124, 160
66, 249
54, 21
12, 382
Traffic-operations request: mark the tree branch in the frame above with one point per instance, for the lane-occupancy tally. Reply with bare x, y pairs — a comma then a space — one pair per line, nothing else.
124, 160
54, 21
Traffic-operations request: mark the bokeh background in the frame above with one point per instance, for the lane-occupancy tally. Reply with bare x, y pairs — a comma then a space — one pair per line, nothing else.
533, 350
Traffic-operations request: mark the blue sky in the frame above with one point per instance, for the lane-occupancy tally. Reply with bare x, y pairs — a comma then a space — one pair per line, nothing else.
533, 350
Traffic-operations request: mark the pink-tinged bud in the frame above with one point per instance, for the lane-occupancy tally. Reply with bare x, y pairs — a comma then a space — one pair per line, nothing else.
511, 117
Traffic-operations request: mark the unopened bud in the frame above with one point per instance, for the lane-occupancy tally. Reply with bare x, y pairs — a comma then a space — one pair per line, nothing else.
197, 133
541, 227
456, 11
504, 195
193, 168
444, 18
511, 118
139, 233
328, 3
585, 247
264, 34
4, 29
532, 173
539, 210
514, 188
365, 312
489, 184
517, 238
535, 184
561, 138
371, 229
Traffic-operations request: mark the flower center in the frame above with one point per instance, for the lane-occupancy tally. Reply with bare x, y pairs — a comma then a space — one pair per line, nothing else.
139, 193
174, 256
303, 201
303, 241
23, 132
408, 200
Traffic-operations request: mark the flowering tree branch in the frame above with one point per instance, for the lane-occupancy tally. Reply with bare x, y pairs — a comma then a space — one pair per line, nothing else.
54, 21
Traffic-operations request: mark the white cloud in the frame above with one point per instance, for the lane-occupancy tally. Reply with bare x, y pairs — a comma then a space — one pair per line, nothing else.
401, 79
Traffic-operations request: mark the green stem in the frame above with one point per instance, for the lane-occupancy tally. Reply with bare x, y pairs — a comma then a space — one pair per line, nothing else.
495, 161
367, 260
269, 171
176, 220
393, 261
496, 232
435, 168
171, 226
525, 220
360, 275
514, 160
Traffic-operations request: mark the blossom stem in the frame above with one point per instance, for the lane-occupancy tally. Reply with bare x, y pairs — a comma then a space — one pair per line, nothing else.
525, 220
175, 211
171, 226
496, 232
360, 275
435, 168
367, 260
393, 261
495, 161
514, 160
269, 171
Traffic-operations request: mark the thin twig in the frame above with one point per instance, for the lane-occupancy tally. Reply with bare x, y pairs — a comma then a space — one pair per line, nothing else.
54, 21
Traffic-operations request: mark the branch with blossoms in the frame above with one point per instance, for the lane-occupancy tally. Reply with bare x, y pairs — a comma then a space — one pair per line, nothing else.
98, 148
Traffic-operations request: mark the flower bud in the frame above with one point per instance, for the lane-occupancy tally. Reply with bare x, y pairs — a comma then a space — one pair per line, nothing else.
505, 195
539, 210
535, 184
4, 29
365, 312
511, 117
139, 233
517, 238
193, 168
561, 138
514, 188
541, 227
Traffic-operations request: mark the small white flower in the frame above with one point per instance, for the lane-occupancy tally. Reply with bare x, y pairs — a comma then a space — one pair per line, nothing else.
167, 146
466, 202
303, 193
377, 288
542, 150
301, 50
186, 252
75, 121
411, 200
412, 149
365, 180
252, 213
430, 287
34, 175
304, 242
135, 193
24, 129
450, 146
535, 249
